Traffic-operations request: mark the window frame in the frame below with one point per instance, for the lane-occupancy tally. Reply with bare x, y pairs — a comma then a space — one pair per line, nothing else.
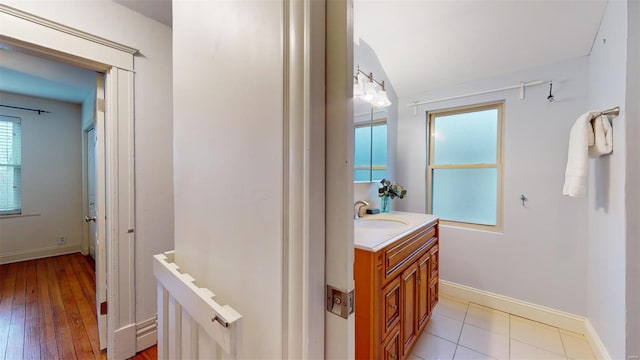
371, 167
17, 211
499, 165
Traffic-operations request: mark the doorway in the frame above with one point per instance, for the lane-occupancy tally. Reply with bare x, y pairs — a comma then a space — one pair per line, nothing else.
45, 217
52, 40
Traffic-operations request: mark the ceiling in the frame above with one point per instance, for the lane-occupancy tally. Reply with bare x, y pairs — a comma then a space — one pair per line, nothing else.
159, 10
424, 44
25, 74
428, 44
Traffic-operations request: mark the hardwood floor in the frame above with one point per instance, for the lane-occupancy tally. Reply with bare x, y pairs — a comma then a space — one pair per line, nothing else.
47, 310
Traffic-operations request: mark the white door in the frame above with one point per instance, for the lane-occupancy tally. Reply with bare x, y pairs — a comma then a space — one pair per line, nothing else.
100, 211
91, 191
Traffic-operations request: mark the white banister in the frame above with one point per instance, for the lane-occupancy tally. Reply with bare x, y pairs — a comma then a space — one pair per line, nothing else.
191, 324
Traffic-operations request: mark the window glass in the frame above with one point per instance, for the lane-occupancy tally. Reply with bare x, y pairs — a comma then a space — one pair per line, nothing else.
466, 195
467, 138
465, 169
10, 165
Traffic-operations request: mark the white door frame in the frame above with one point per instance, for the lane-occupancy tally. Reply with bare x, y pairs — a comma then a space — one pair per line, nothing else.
52, 40
303, 305
340, 333
318, 177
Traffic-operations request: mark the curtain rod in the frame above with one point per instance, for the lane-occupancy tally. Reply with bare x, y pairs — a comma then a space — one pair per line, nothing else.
520, 86
39, 111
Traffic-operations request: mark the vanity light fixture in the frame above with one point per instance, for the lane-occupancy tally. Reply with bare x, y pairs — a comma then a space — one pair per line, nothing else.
369, 89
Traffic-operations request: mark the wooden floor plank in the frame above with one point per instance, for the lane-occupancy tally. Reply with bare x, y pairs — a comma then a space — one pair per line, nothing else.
32, 316
15, 340
148, 354
49, 345
88, 287
88, 341
74, 318
7, 288
66, 349
47, 310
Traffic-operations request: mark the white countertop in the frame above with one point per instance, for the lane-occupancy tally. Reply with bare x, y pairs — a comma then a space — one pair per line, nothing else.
374, 239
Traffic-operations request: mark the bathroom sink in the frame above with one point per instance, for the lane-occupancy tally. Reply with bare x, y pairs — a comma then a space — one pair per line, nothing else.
380, 222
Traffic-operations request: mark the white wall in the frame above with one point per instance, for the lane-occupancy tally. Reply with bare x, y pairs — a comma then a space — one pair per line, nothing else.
543, 245
153, 121
632, 113
51, 180
228, 144
606, 208
365, 57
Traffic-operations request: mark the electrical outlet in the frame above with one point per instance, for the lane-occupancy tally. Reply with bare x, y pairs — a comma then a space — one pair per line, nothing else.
62, 240
633, 357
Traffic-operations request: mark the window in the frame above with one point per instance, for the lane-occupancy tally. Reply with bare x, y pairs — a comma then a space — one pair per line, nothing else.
10, 160
370, 151
464, 175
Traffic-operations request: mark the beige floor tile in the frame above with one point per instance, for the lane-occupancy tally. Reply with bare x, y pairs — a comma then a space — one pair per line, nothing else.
463, 353
536, 334
444, 327
451, 308
485, 342
487, 318
576, 346
413, 357
522, 351
429, 347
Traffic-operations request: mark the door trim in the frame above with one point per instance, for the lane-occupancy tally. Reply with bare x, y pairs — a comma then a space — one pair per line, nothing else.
48, 39
71, 45
303, 157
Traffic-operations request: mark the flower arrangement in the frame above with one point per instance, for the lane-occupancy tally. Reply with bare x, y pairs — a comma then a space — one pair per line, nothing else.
392, 190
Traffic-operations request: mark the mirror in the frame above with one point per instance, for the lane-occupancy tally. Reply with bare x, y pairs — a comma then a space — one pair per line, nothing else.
370, 146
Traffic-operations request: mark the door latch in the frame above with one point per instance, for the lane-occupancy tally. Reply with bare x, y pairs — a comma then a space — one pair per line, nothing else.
339, 302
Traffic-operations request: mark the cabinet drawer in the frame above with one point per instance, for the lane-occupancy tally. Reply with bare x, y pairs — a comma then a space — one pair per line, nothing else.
404, 251
390, 306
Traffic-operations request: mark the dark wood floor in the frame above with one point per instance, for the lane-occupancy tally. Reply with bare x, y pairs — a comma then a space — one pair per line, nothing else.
47, 310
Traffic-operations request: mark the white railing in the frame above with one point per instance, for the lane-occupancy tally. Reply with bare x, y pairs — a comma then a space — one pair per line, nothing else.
191, 324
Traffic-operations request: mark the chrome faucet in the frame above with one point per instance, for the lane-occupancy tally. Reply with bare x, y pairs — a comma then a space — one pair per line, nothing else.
356, 207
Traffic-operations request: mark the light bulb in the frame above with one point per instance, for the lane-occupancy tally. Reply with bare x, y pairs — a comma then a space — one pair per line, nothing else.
369, 91
381, 99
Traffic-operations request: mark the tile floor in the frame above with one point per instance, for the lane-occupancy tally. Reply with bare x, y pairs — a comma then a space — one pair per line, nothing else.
468, 331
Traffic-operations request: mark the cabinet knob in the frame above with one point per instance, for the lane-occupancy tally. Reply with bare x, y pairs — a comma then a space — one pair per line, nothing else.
393, 306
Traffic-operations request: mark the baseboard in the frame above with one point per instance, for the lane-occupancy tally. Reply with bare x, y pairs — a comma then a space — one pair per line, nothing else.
146, 333
525, 309
598, 348
38, 253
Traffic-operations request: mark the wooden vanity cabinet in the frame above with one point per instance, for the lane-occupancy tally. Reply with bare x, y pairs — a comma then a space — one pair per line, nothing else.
395, 292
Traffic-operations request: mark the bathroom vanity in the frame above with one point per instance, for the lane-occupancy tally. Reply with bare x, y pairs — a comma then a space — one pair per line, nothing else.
396, 282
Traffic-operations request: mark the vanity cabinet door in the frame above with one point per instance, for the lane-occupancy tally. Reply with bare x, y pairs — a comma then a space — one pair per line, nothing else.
390, 306
424, 290
409, 323
433, 277
391, 347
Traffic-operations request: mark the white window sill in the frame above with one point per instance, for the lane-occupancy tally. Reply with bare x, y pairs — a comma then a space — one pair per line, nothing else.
8, 216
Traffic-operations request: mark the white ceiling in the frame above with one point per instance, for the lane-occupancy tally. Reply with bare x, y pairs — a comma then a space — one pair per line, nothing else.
424, 44
428, 44
25, 74
159, 10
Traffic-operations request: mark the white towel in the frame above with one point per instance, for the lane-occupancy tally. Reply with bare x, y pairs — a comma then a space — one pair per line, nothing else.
580, 139
603, 137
